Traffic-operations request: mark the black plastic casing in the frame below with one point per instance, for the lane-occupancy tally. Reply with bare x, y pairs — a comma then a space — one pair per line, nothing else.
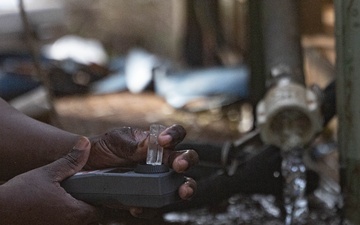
119, 186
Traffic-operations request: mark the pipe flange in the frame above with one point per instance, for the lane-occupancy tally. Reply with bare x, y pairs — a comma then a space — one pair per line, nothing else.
289, 115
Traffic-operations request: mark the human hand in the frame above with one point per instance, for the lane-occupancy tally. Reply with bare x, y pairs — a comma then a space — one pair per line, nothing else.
36, 197
127, 146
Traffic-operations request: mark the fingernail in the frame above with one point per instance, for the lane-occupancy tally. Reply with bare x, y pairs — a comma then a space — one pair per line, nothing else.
182, 165
82, 143
189, 193
137, 210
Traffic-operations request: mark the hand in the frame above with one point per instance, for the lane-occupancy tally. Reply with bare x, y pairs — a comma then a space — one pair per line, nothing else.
36, 197
127, 146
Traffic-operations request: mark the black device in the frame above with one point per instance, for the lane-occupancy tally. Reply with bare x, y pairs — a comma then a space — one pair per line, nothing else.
151, 186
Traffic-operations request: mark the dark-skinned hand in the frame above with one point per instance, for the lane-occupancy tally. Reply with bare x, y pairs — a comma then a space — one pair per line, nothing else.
38, 197
127, 146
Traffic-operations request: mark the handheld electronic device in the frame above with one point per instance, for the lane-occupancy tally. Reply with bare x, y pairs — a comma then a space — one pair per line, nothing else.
151, 185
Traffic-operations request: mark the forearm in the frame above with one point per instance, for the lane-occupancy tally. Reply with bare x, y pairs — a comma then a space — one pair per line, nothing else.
26, 143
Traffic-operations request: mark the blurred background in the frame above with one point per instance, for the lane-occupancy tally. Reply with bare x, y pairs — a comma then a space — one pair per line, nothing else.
88, 66
95, 49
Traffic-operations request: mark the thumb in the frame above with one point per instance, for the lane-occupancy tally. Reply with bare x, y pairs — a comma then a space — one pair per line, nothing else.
71, 163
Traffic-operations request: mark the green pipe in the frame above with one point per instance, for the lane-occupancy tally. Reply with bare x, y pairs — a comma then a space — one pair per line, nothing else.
347, 35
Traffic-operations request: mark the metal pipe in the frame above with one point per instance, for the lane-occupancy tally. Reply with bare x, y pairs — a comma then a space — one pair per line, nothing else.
282, 48
256, 55
289, 114
348, 103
